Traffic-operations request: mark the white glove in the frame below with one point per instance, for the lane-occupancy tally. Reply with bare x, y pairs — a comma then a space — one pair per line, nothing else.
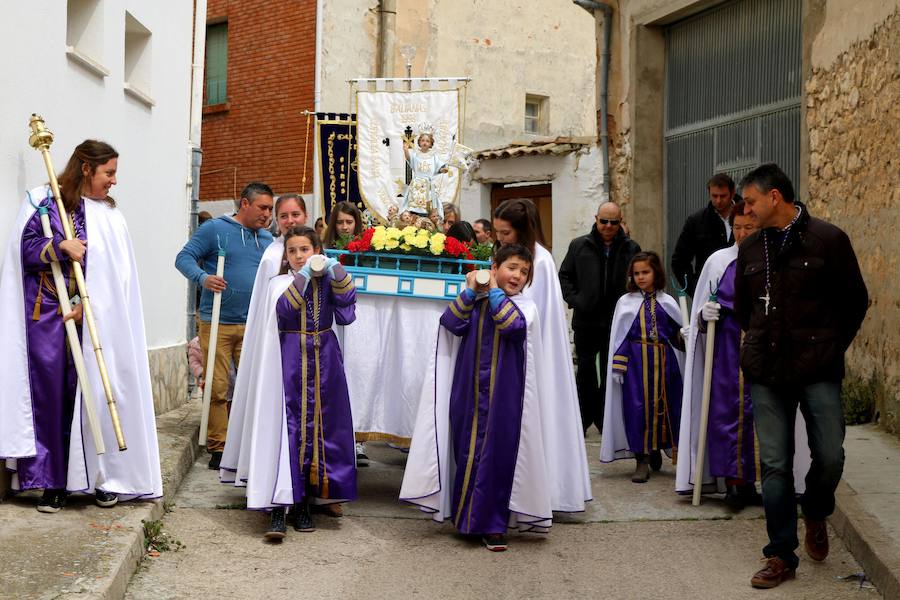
685, 332
710, 311
618, 378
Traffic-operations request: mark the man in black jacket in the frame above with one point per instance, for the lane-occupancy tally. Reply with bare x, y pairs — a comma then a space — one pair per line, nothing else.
592, 277
704, 232
800, 298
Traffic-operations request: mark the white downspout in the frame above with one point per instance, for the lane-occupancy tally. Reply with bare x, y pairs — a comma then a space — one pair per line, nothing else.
195, 128
313, 207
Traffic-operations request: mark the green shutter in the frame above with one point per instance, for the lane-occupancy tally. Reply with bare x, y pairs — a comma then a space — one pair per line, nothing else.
217, 63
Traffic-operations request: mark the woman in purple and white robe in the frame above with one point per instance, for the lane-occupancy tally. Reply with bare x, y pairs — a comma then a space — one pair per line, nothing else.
44, 436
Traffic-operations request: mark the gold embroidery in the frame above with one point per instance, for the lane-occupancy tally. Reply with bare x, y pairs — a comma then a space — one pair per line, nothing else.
303, 393
495, 350
643, 321
501, 314
620, 358
465, 486
509, 321
456, 312
623, 368
48, 254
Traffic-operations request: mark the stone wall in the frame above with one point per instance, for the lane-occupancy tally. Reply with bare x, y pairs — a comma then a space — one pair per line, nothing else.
853, 108
169, 377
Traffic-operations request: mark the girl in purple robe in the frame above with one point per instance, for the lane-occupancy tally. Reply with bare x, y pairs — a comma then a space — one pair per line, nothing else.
644, 400
317, 403
487, 394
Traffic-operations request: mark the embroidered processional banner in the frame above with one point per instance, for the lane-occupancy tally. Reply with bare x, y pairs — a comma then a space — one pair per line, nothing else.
336, 139
385, 118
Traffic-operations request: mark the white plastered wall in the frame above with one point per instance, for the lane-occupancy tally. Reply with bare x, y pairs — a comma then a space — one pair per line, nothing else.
78, 104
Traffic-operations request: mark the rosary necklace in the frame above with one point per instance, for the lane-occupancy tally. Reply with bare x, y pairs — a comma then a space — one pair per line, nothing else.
787, 232
650, 301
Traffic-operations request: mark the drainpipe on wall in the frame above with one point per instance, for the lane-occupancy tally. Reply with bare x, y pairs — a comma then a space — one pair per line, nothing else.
387, 9
317, 101
196, 154
592, 6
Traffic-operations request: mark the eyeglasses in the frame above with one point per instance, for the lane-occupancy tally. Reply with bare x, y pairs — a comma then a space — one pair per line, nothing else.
608, 221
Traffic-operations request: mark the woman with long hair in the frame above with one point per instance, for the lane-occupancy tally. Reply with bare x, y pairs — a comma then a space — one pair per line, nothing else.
41, 410
516, 221
344, 220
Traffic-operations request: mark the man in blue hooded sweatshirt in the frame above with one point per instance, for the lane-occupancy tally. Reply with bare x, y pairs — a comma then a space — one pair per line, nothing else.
244, 237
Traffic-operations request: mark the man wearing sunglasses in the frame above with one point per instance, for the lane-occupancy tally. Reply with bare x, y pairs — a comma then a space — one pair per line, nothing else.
704, 232
592, 277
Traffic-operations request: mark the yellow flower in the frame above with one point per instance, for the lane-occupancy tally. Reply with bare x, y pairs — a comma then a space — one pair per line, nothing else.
405, 247
392, 233
391, 243
437, 243
408, 231
378, 238
421, 239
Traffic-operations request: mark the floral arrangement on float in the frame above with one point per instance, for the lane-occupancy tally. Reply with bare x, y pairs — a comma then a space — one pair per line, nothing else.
409, 240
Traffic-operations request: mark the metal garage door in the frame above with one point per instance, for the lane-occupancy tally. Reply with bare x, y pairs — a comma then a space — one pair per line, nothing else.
733, 92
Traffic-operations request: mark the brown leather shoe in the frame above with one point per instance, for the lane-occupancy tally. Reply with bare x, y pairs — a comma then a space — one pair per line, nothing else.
773, 574
816, 540
331, 510
641, 469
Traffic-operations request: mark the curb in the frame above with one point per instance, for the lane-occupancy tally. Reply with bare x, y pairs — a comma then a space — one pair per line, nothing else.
867, 542
178, 432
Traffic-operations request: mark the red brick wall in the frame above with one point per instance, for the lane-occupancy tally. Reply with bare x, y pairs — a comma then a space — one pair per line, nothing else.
271, 81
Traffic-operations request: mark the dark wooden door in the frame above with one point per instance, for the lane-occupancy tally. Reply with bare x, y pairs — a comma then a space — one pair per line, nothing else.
539, 194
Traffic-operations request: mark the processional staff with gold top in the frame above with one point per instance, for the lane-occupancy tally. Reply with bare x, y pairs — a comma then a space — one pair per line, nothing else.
40, 140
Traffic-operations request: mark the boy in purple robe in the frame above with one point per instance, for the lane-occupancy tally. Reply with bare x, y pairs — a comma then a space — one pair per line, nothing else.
643, 401
486, 395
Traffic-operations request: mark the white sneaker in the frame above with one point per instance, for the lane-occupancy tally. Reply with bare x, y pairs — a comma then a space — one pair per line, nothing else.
361, 457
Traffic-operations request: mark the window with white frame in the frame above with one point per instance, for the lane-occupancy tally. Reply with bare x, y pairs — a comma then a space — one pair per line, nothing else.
536, 114
84, 34
138, 60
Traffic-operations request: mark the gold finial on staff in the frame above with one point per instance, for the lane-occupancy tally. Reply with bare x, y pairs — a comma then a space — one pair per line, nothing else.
40, 139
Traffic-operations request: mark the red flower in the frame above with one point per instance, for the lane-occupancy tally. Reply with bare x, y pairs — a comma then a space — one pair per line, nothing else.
362, 243
456, 248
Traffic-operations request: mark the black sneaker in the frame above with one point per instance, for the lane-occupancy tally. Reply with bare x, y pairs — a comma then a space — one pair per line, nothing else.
302, 519
656, 460
105, 499
215, 459
277, 529
495, 542
52, 501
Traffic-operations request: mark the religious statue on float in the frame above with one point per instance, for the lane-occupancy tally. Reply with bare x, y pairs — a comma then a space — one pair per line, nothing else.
422, 198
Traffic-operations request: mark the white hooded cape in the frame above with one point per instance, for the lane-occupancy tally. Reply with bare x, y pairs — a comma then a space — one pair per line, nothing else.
429, 473
112, 281
692, 398
242, 400
565, 453
614, 442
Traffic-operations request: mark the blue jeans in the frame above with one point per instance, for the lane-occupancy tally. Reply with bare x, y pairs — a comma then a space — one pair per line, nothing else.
774, 412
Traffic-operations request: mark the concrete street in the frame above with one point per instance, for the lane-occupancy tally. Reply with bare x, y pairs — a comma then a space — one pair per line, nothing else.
634, 541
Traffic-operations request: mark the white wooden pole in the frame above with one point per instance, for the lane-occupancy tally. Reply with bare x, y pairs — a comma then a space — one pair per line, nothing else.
87, 390
704, 411
682, 304
211, 351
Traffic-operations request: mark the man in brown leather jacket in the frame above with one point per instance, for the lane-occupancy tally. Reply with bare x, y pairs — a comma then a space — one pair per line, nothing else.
800, 298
